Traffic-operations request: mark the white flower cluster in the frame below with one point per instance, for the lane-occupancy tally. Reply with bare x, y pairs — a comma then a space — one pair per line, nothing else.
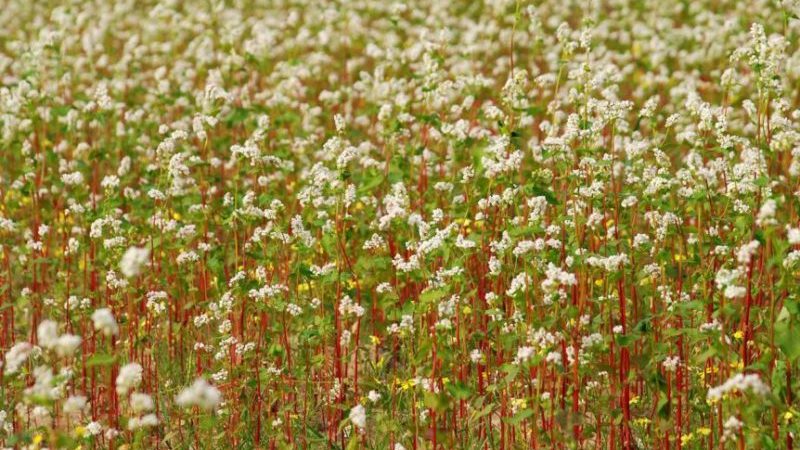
738, 383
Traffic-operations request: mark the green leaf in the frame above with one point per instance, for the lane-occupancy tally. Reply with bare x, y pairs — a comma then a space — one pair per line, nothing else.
437, 402
520, 416
459, 391
624, 340
546, 193
787, 340
663, 407
353, 443
101, 360
431, 295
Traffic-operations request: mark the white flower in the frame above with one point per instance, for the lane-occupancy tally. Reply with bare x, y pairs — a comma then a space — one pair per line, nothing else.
523, 354
671, 363
358, 415
746, 252
373, 396
47, 334
148, 420
94, 428
16, 356
739, 382
766, 215
104, 322
133, 260
793, 234
130, 376
141, 402
201, 394
730, 428
74, 404
64, 345
67, 344
476, 356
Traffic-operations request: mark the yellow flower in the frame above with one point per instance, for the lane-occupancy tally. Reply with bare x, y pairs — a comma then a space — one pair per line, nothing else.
37, 439
787, 416
738, 335
406, 385
598, 282
686, 438
678, 257
467, 310
80, 431
703, 431
634, 400
375, 340
519, 403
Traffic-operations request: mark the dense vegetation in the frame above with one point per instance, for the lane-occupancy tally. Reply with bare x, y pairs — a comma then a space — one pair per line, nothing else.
555, 224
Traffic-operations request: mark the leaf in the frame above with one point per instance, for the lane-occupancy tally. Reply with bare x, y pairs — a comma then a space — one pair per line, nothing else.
372, 181
485, 411
708, 353
101, 360
431, 295
546, 193
459, 391
644, 326
624, 340
787, 340
793, 307
437, 402
520, 416
663, 407
353, 443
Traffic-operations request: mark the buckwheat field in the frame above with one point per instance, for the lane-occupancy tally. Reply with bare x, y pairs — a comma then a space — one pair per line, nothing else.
294, 224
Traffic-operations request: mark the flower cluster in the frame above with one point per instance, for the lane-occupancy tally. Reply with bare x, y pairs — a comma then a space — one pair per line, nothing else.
404, 225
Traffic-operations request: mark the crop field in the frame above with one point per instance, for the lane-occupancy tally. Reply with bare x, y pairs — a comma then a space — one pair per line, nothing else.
399, 225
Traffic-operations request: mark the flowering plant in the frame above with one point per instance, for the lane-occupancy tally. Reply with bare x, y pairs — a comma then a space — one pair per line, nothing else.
405, 225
